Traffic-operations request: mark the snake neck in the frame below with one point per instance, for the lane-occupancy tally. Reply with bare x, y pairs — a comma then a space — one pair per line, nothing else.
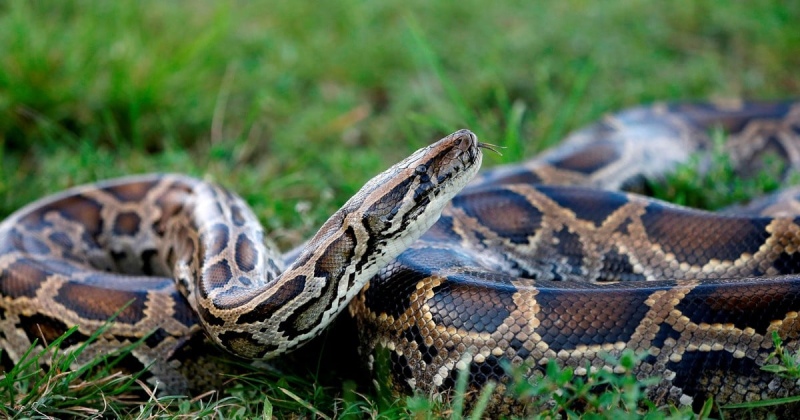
252, 308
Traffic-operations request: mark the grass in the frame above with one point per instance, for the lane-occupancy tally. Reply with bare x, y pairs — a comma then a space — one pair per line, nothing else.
93, 390
716, 185
295, 105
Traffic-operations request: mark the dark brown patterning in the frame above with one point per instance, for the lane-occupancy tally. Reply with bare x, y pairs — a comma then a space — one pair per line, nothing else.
527, 265
516, 271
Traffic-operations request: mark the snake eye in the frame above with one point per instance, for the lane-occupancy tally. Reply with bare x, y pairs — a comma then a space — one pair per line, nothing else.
422, 174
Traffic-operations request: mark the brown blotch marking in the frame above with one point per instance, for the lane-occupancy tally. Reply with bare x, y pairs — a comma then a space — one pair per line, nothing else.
127, 223
507, 213
245, 281
215, 276
34, 245
181, 311
730, 120
618, 267
243, 344
156, 337
285, 292
22, 278
77, 208
755, 304
569, 247
386, 207
100, 304
61, 239
46, 332
237, 215
615, 314
132, 192
171, 256
308, 315
229, 197
391, 294
150, 261
218, 209
696, 237
216, 240
246, 253
589, 158
591, 205
337, 256
171, 203
330, 227
11, 242
461, 303
186, 253
47, 329
510, 176
273, 267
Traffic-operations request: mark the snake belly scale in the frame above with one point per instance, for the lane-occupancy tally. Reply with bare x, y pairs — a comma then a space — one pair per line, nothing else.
529, 263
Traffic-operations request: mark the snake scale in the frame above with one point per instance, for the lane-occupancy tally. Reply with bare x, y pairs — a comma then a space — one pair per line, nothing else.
529, 263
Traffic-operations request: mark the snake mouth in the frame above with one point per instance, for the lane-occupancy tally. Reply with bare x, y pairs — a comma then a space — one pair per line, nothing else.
460, 154
445, 168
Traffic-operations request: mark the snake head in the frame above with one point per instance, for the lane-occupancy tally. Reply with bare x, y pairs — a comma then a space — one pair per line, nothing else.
396, 207
401, 203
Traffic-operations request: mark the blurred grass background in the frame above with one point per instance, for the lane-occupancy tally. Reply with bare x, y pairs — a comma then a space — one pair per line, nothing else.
300, 102
296, 104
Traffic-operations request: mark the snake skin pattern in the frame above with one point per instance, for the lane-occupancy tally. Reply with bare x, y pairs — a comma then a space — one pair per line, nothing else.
529, 263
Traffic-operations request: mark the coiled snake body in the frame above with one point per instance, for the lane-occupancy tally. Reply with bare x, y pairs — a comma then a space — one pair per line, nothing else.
526, 265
